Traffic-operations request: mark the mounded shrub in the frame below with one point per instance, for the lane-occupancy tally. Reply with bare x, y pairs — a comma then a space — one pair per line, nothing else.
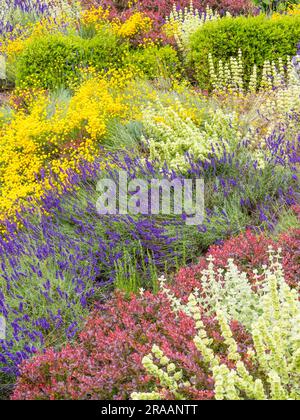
259, 38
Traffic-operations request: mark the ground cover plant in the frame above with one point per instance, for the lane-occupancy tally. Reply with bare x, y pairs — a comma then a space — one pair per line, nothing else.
140, 303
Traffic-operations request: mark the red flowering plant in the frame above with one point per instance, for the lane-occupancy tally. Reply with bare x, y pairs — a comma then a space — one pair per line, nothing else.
106, 363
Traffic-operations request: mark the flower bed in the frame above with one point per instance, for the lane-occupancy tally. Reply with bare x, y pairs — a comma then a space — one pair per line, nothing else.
104, 98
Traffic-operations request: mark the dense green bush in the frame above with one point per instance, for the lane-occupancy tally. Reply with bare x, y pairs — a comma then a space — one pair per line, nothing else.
260, 38
156, 61
55, 60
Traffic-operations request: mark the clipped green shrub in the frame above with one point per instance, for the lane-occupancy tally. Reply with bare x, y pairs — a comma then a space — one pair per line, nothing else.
260, 38
154, 61
55, 60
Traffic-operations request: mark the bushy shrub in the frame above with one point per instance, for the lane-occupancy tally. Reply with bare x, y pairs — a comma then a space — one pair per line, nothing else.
55, 60
259, 38
107, 362
154, 61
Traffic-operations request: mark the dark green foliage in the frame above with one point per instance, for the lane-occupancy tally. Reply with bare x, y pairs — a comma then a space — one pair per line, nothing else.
260, 38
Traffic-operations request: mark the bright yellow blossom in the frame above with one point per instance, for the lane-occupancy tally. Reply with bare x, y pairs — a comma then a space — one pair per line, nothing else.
37, 138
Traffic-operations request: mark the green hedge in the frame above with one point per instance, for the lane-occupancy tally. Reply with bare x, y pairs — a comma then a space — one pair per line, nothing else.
55, 60
260, 38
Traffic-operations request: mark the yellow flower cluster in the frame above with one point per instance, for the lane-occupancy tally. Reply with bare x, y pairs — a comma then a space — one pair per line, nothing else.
96, 16
55, 135
21, 36
135, 24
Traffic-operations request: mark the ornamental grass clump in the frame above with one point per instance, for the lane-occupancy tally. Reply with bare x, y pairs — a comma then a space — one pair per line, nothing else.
275, 353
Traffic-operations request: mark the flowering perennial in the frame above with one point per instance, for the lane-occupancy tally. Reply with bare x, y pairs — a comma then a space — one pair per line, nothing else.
276, 350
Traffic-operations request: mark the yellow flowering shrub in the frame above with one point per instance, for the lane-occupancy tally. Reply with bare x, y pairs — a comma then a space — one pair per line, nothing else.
53, 136
135, 24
